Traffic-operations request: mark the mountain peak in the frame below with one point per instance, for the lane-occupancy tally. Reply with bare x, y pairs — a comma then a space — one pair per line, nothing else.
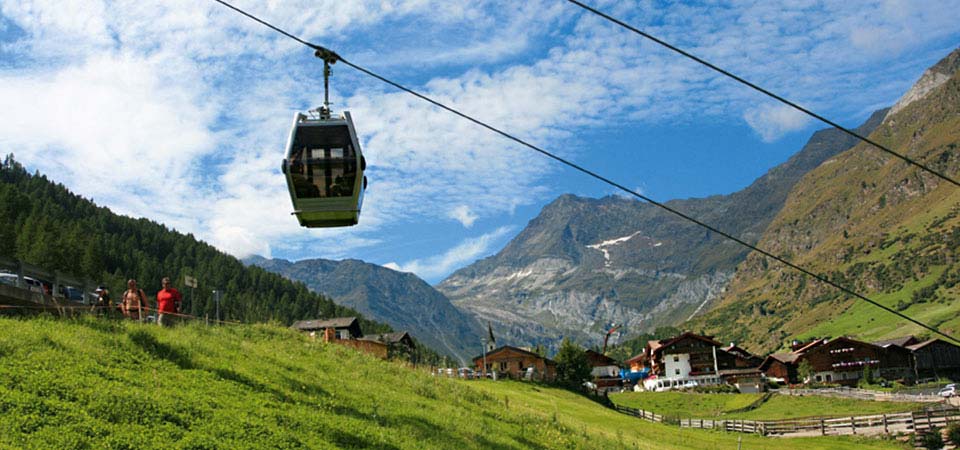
932, 78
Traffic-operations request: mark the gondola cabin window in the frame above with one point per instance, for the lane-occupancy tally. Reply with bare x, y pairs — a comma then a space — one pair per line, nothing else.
324, 172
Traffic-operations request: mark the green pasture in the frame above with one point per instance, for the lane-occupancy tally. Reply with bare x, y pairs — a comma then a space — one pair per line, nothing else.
90, 383
725, 406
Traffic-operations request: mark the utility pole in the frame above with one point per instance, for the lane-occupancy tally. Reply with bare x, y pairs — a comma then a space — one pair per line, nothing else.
483, 341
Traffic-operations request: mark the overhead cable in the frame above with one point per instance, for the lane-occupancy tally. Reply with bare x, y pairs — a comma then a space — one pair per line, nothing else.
610, 182
768, 93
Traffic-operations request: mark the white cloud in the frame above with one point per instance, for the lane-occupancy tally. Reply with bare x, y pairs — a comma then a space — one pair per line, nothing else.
772, 122
112, 130
464, 253
178, 110
463, 214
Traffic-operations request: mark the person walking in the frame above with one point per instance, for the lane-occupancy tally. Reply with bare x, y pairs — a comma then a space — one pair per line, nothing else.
103, 304
134, 302
168, 303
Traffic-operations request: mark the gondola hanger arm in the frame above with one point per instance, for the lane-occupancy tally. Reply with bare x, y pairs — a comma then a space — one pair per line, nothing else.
328, 56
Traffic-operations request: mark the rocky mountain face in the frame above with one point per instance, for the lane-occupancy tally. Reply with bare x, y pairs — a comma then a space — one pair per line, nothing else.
870, 222
584, 263
931, 79
402, 300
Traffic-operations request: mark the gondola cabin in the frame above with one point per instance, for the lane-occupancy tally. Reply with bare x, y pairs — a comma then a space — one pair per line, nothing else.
324, 170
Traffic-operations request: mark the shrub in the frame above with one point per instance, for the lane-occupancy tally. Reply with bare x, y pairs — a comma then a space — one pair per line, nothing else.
953, 433
717, 389
573, 367
932, 439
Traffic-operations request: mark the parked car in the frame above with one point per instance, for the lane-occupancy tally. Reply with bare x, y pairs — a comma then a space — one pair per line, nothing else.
948, 391
8, 278
465, 372
71, 293
31, 283
35, 285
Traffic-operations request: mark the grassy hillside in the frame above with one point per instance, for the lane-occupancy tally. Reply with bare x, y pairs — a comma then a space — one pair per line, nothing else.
725, 406
96, 383
867, 221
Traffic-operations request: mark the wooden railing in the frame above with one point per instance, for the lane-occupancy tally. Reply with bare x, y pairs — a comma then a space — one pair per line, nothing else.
906, 422
863, 394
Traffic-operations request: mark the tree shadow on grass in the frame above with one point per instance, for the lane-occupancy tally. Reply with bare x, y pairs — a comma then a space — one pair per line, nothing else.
342, 439
301, 387
159, 350
101, 324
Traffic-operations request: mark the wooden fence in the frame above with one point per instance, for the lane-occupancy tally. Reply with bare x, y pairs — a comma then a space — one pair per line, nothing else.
907, 422
863, 394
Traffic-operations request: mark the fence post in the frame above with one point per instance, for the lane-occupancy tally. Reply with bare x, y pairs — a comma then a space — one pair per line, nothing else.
885, 430
853, 424
929, 423
823, 428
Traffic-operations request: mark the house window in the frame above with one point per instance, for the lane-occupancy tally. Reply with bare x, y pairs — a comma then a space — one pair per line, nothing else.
676, 358
819, 379
676, 371
503, 366
829, 377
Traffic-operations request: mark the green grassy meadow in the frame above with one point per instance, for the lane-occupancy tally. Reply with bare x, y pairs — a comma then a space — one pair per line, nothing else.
93, 383
722, 406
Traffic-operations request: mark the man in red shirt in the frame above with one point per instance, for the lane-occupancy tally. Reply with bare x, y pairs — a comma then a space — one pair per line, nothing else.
168, 303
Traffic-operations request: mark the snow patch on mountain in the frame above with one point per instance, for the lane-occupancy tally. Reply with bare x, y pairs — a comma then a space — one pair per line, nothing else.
602, 247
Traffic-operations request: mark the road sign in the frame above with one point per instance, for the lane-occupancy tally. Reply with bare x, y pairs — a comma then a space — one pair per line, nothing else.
189, 281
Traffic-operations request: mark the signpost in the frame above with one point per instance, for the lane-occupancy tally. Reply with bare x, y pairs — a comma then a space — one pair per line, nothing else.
190, 282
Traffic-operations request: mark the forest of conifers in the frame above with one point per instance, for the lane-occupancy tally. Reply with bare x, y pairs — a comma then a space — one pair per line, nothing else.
44, 224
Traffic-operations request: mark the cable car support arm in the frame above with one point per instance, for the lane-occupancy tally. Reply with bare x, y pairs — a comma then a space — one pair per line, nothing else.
329, 57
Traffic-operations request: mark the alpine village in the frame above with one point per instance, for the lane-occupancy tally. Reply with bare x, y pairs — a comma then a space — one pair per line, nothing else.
816, 308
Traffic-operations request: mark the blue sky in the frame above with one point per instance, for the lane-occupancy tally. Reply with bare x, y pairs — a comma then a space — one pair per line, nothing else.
178, 110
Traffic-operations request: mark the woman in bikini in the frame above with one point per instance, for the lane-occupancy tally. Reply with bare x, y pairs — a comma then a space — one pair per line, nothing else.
134, 301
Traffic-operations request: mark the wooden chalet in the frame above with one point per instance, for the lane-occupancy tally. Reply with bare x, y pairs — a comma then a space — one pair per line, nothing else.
517, 363
742, 358
399, 345
781, 367
841, 360
399, 339
896, 362
605, 371
603, 365
936, 358
344, 327
346, 331
691, 357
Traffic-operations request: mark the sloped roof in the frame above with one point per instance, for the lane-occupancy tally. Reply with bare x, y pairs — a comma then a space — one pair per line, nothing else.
900, 341
601, 358
654, 345
664, 344
928, 342
812, 344
504, 348
737, 350
390, 338
785, 358
337, 322
638, 358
